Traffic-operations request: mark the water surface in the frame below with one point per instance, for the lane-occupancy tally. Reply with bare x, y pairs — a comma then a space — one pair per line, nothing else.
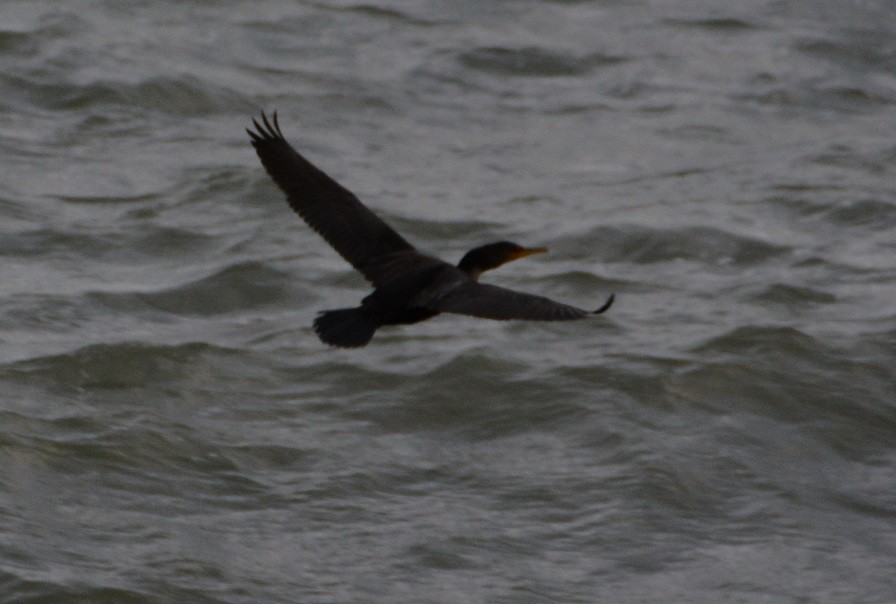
172, 430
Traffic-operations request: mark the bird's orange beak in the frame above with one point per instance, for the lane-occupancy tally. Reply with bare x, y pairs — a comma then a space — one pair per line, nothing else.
528, 251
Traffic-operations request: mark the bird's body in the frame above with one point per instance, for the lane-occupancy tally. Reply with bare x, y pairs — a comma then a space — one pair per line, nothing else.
409, 286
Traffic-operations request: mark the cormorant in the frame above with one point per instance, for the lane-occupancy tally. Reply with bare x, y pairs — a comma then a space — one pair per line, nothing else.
409, 286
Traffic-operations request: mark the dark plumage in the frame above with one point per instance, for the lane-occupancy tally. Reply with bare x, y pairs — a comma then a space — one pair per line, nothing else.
408, 286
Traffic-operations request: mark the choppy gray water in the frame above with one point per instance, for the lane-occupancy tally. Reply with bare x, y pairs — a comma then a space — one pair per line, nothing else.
172, 430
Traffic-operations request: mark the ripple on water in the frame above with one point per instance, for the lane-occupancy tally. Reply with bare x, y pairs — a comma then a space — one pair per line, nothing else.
531, 62
853, 49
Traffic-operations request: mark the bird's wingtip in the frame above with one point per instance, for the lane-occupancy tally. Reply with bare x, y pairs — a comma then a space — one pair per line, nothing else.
266, 128
606, 305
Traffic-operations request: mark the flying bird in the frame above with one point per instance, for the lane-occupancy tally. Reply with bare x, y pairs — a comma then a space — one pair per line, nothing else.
409, 286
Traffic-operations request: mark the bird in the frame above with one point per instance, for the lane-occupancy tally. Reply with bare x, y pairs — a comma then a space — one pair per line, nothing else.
409, 286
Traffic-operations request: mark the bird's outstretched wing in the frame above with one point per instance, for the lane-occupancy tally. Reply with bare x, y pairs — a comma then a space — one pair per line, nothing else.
494, 302
359, 235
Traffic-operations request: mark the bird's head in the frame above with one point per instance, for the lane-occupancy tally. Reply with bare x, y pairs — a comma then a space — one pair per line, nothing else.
493, 255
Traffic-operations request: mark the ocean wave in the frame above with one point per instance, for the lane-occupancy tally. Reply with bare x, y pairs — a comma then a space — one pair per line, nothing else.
728, 25
126, 245
183, 95
793, 297
647, 245
828, 96
787, 375
235, 288
119, 365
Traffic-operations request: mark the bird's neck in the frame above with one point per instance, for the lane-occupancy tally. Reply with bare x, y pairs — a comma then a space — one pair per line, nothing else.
469, 265
472, 273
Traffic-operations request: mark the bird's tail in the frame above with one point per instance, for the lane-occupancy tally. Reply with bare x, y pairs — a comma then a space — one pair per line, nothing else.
346, 327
